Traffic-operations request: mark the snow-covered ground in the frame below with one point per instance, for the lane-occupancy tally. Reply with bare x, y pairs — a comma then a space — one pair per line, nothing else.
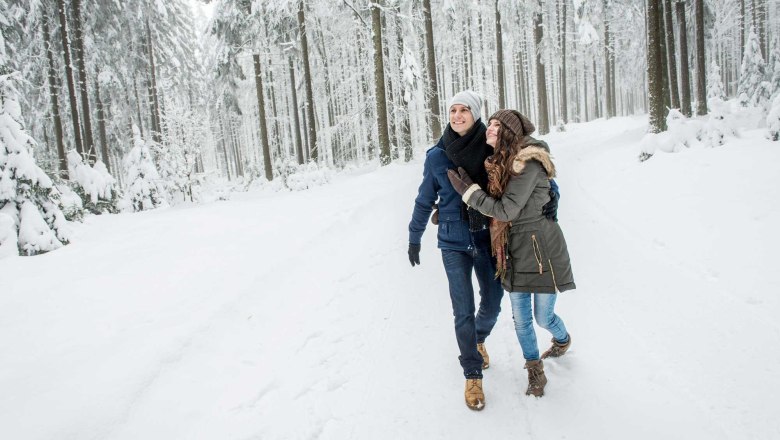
298, 316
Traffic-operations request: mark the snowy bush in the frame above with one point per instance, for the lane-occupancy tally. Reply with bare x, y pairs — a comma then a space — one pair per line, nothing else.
93, 184
70, 202
27, 194
144, 189
773, 120
681, 133
299, 177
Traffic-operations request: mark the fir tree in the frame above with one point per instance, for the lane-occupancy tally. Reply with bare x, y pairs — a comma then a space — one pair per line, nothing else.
753, 89
715, 86
27, 195
144, 190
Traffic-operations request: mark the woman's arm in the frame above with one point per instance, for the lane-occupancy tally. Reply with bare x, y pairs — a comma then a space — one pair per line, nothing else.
514, 199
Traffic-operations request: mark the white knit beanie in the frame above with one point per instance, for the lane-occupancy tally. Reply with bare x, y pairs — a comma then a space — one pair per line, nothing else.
469, 99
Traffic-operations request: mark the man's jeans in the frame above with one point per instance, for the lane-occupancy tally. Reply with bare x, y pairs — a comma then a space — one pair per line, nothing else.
470, 329
544, 312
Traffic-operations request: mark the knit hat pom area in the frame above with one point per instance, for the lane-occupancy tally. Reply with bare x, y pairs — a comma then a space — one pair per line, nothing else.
470, 99
514, 121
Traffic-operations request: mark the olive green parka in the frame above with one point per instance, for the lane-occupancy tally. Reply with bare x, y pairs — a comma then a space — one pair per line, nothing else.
538, 258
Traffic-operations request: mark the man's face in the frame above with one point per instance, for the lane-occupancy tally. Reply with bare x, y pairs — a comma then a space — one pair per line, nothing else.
461, 119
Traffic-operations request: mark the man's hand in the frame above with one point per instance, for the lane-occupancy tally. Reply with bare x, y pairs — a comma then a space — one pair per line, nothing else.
414, 254
550, 210
460, 180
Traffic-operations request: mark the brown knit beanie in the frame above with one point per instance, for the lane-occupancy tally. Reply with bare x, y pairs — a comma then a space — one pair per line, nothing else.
513, 121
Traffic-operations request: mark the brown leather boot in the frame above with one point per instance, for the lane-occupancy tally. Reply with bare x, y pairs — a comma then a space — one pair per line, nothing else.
485, 358
475, 398
557, 349
536, 378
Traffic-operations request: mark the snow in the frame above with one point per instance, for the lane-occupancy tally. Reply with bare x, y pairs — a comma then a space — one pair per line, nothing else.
287, 315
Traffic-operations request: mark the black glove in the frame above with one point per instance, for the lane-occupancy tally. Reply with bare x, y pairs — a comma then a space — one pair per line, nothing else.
414, 254
550, 210
460, 180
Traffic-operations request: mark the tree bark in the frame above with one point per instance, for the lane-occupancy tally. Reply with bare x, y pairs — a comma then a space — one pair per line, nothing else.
654, 67
101, 121
307, 80
379, 86
74, 110
701, 82
154, 103
671, 62
433, 82
543, 123
55, 104
564, 91
296, 121
610, 112
685, 82
500, 60
78, 35
269, 172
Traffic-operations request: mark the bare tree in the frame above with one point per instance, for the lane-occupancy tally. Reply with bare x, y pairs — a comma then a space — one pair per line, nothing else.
500, 60
701, 82
671, 62
543, 123
654, 67
433, 82
74, 110
379, 86
55, 105
685, 82
312, 129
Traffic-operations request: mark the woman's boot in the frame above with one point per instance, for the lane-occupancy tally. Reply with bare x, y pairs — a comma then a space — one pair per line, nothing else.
536, 378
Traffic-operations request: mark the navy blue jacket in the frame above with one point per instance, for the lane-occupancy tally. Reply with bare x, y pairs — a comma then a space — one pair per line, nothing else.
453, 228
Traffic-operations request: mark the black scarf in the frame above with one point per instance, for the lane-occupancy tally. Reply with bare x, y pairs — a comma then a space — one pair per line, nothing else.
470, 151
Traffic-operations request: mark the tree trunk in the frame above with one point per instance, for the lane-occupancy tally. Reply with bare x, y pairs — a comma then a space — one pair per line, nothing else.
543, 123
655, 67
671, 62
269, 172
701, 82
685, 89
404, 138
607, 66
379, 86
296, 121
74, 110
433, 85
307, 80
101, 121
154, 104
89, 145
499, 60
564, 91
55, 104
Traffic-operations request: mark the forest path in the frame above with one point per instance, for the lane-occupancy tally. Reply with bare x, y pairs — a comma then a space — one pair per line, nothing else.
297, 315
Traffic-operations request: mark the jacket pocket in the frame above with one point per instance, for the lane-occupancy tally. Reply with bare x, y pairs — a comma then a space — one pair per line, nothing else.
527, 252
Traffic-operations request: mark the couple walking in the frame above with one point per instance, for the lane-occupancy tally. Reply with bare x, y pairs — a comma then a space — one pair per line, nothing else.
495, 206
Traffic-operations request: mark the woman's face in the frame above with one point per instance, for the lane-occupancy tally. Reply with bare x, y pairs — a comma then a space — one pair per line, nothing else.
461, 119
492, 132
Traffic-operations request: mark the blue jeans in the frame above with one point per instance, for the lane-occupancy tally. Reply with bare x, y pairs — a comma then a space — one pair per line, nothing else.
471, 329
544, 312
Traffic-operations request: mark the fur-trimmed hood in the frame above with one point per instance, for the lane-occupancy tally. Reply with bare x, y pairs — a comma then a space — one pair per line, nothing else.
535, 152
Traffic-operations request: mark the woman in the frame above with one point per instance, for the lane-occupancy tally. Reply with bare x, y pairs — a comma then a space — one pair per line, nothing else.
532, 258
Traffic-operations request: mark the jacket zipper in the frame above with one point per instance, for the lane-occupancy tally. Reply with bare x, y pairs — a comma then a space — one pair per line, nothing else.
555, 283
537, 253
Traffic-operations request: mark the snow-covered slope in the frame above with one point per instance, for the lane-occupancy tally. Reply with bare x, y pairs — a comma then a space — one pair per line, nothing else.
297, 315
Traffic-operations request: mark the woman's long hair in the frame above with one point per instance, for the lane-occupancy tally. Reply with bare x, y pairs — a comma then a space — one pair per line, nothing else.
499, 165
